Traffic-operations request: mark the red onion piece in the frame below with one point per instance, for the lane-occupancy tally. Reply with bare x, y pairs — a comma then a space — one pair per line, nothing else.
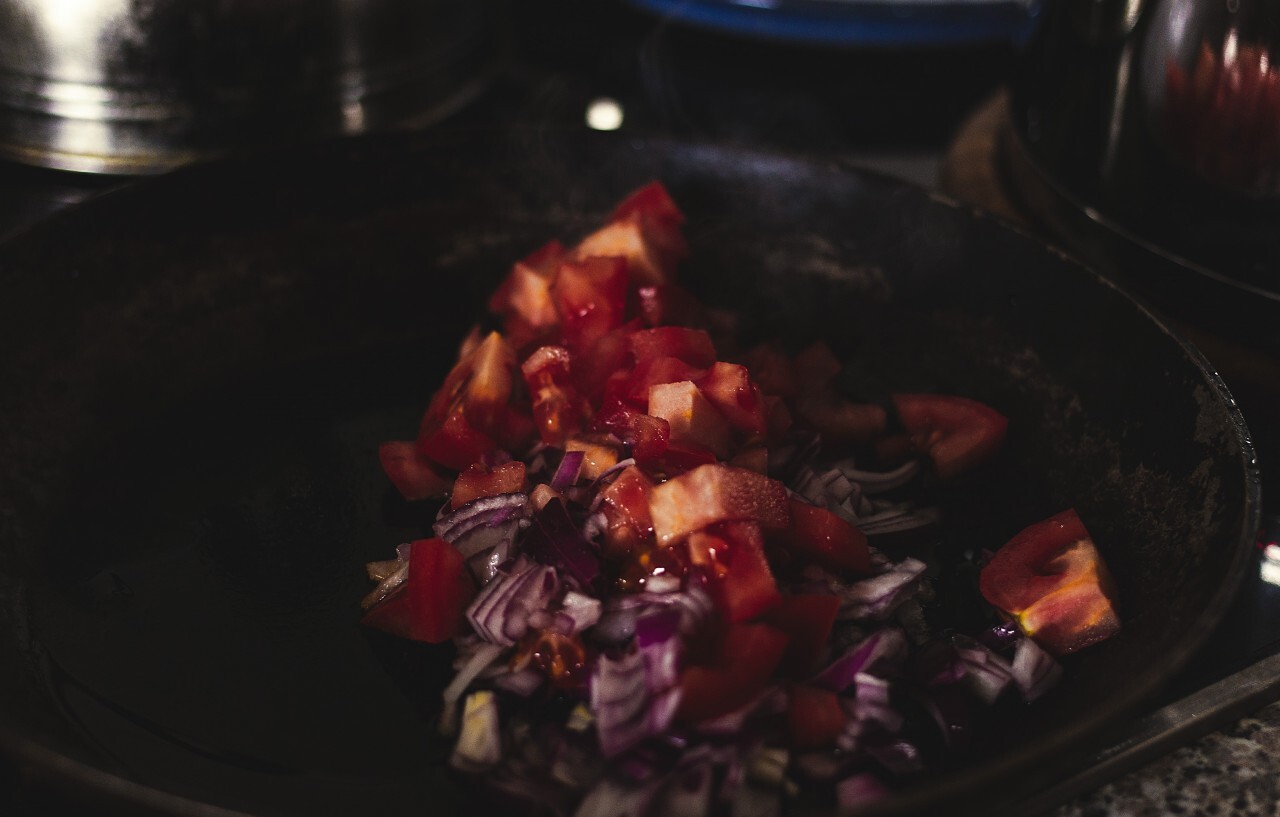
567, 473
1034, 670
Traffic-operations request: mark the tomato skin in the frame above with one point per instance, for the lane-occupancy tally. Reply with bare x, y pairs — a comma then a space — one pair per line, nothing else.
691, 417
747, 656
431, 605
479, 481
648, 437
814, 717
822, 537
955, 432
807, 619
625, 503
693, 346
655, 372
652, 201
746, 587
715, 493
453, 442
1052, 580
590, 296
411, 472
729, 388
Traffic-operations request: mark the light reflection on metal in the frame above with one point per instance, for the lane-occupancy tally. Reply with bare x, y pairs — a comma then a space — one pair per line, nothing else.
604, 114
1271, 565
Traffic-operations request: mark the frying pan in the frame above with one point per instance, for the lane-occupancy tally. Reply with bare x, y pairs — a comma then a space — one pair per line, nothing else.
198, 370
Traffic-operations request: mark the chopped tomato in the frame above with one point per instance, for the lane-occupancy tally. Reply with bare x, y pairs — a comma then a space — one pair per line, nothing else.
814, 717
488, 390
1052, 579
822, 537
647, 260
729, 388
679, 458
840, 420
453, 442
693, 346
432, 604
807, 619
654, 372
600, 453
479, 481
590, 297
611, 354
691, 417
772, 369
742, 586
747, 656
625, 503
957, 433
524, 297
411, 472
558, 410
648, 437
716, 493
652, 201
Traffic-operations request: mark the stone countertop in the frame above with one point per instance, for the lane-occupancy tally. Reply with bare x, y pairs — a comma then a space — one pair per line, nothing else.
1233, 772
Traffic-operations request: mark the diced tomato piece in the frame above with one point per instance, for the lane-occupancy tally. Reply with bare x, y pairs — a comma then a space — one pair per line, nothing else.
807, 619
746, 659
431, 605
440, 588
558, 410
515, 431
691, 417
1052, 579
745, 587
772, 370
647, 437
827, 540
652, 373
729, 388
660, 219
816, 366
668, 305
625, 503
814, 717
393, 615
411, 472
590, 297
524, 297
489, 388
653, 201
840, 420
693, 346
593, 367
453, 442
646, 261
479, 480
600, 453
955, 432
716, 493
679, 458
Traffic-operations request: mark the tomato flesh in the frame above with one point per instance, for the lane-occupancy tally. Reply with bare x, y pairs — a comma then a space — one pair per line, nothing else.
716, 493
955, 432
410, 472
431, 605
480, 481
814, 717
1052, 580
807, 618
822, 537
745, 586
747, 656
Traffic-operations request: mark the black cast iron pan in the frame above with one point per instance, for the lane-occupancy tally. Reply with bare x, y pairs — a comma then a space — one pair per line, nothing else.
197, 371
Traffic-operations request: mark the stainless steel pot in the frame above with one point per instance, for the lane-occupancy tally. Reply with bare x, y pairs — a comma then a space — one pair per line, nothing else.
135, 86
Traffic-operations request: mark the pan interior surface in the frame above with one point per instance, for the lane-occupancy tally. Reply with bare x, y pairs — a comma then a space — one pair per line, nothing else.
202, 366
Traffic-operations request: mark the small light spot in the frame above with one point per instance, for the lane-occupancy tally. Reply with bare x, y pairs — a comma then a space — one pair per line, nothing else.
604, 114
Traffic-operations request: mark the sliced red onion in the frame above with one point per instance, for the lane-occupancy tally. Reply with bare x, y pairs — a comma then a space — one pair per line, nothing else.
583, 610
657, 624
479, 746
484, 564
859, 791
1034, 670
1002, 636
985, 673
483, 511
612, 471
882, 650
870, 714
555, 540
567, 473
484, 655
878, 482
876, 598
377, 571
523, 683
662, 583
594, 526
900, 757
635, 697
386, 587
500, 613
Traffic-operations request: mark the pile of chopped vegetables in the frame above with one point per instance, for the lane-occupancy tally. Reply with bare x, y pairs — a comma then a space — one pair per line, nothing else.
659, 567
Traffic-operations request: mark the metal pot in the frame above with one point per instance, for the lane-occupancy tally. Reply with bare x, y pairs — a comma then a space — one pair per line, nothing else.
136, 86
